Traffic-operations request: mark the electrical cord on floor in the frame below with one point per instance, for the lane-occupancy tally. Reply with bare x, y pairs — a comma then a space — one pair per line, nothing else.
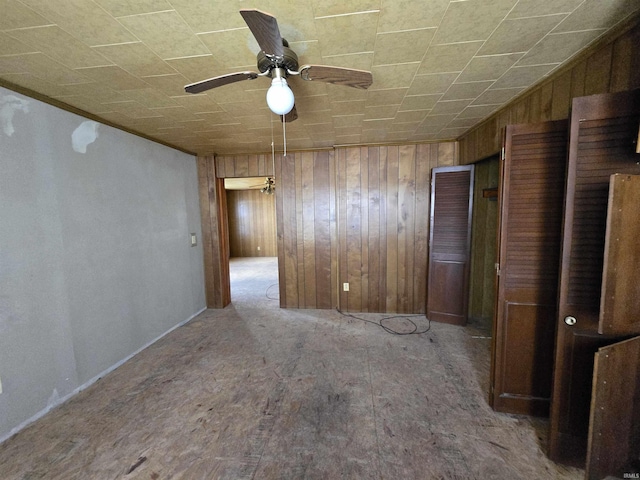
390, 330
267, 292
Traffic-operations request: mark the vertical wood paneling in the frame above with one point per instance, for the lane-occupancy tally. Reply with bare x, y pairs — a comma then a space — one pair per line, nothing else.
613, 67
353, 213
384, 209
383, 224
252, 223
214, 234
578, 74
421, 227
308, 228
305, 196
356, 215
299, 223
333, 208
323, 237
406, 229
289, 256
598, 74
392, 230
561, 97
374, 198
244, 166
364, 229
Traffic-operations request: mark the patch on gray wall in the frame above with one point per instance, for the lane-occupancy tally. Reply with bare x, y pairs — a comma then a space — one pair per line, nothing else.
9, 105
8, 317
84, 135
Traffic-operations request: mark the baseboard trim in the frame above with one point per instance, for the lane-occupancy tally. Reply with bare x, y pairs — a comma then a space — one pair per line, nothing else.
87, 384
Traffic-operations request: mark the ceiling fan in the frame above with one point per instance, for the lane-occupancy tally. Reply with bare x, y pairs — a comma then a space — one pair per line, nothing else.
277, 61
269, 186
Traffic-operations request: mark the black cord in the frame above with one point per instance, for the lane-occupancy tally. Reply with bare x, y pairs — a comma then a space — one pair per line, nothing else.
390, 330
267, 292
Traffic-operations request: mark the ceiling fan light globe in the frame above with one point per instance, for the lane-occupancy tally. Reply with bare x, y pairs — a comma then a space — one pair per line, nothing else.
280, 97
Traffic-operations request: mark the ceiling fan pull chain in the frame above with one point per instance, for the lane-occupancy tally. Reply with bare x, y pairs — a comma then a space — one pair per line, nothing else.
273, 148
284, 135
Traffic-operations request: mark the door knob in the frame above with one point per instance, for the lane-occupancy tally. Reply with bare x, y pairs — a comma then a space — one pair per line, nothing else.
570, 320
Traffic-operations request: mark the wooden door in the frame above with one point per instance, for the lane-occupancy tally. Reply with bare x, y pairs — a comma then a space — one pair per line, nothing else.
620, 298
614, 426
449, 244
529, 236
602, 141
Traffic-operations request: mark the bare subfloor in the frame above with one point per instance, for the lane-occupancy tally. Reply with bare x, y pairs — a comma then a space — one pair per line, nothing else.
254, 391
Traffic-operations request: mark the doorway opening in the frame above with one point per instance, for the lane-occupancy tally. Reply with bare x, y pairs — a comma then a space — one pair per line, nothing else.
484, 228
253, 255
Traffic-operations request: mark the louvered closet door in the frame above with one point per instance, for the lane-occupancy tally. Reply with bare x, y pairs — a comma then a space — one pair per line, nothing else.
530, 233
602, 141
449, 244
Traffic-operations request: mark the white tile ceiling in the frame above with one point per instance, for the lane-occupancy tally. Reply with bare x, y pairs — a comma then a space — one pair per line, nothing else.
439, 66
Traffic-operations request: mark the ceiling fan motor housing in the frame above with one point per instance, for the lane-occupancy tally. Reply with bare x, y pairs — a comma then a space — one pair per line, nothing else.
289, 60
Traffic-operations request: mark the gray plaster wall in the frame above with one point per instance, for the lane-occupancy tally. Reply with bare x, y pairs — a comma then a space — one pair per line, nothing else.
96, 260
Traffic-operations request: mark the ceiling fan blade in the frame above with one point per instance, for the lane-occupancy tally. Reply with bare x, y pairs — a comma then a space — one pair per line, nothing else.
337, 75
291, 116
214, 82
265, 28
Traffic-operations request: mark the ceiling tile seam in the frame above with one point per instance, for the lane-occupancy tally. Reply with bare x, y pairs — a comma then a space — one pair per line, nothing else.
429, 46
473, 81
59, 61
458, 43
88, 80
147, 13
221, 31
393, 65
162, 75
523, 52
576, 31
345, 54
199, 55
528, 17
116, 44
407, 30
28, 28
550, 33
184, 21
364, 12
474, 56
9, 55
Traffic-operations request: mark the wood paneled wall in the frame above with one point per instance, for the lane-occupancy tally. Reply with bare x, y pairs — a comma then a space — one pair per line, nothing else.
612, 67
482, 288
215, 236
383, 224
305, 216
244, 166
252, 223
357, 215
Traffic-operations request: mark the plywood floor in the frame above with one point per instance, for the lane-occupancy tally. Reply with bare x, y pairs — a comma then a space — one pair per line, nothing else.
253, 391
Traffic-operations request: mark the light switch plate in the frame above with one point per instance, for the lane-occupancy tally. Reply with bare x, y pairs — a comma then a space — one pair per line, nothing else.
345, 287
194, 240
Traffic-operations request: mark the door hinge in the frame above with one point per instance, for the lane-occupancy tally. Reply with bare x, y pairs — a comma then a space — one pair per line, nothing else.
497, 267
502, 154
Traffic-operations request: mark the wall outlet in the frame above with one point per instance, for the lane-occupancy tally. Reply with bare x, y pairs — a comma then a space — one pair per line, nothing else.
345, 287
194, 240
